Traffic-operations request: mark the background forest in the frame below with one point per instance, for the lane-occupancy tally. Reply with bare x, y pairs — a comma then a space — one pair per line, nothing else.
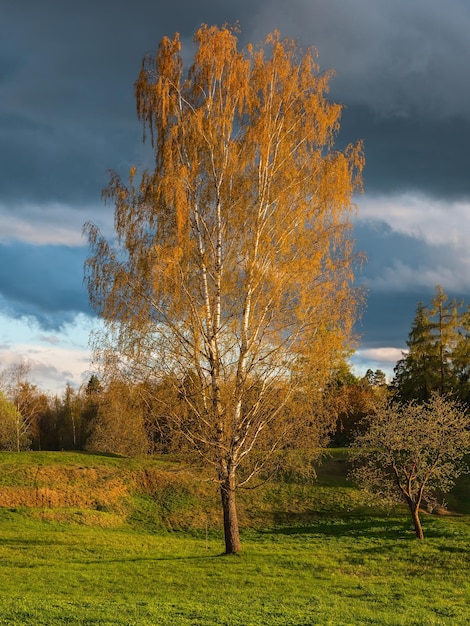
112, 415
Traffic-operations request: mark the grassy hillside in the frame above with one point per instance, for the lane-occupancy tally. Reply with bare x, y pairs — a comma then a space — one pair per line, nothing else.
161, 493
102, 540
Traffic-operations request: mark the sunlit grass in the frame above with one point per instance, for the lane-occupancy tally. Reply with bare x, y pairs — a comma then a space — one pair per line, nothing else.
312, 554
358, 570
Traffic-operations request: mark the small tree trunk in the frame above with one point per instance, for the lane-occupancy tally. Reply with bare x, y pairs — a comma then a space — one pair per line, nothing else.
74, 434
18, 435
231, 532
416, 521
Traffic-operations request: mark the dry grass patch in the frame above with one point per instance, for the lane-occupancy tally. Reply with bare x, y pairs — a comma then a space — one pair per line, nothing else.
63, 487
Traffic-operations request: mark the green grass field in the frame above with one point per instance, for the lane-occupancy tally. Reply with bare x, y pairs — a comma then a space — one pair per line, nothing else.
330, 560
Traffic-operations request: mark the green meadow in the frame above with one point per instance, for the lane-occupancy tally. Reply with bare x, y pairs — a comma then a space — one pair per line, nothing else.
146, 549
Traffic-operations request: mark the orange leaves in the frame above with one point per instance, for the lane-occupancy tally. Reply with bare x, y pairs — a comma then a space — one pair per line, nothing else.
157, 87
242, 228
217, 50
234, 259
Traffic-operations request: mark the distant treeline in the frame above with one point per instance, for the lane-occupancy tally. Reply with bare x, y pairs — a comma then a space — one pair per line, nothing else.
116, 415
134, 419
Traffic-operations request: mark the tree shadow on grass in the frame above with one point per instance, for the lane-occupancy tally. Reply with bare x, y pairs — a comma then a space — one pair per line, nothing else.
153, 559
364, 526
395, 525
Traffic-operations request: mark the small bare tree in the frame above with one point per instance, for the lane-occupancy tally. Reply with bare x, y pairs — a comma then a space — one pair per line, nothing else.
412, 451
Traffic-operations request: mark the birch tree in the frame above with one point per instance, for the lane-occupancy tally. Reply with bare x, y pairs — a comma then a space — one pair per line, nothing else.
27, 400
232, 268
12, 436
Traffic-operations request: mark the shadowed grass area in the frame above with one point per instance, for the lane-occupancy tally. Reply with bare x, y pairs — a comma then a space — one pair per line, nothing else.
459, 498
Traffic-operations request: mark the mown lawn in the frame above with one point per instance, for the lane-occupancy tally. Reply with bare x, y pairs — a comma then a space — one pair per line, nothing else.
93, 545
337, 570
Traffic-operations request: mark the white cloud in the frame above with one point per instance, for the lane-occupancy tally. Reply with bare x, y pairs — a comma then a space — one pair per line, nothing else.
384, 359
437, 222
380, 355
402, 277
52, 339
441, 255
49, 369
51, 224
53, 360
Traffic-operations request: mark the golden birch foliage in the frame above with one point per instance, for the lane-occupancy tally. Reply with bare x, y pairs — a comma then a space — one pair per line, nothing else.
119, 427
234, 256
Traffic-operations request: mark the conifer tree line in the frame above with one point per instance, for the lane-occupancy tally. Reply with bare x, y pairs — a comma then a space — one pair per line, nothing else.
438, 356
115, 416
118, 417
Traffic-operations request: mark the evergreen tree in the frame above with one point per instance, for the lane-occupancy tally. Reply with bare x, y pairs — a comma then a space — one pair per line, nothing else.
438, 357
415, 374
445, 321
90, 397
461, 357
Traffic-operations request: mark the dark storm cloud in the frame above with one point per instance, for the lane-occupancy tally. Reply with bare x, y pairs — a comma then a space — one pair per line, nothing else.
67, 110
67, 114
400, 272
383, 246
67, 70
401, 71
412, 153
392, 56
387, 319
41, 282
51, 162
